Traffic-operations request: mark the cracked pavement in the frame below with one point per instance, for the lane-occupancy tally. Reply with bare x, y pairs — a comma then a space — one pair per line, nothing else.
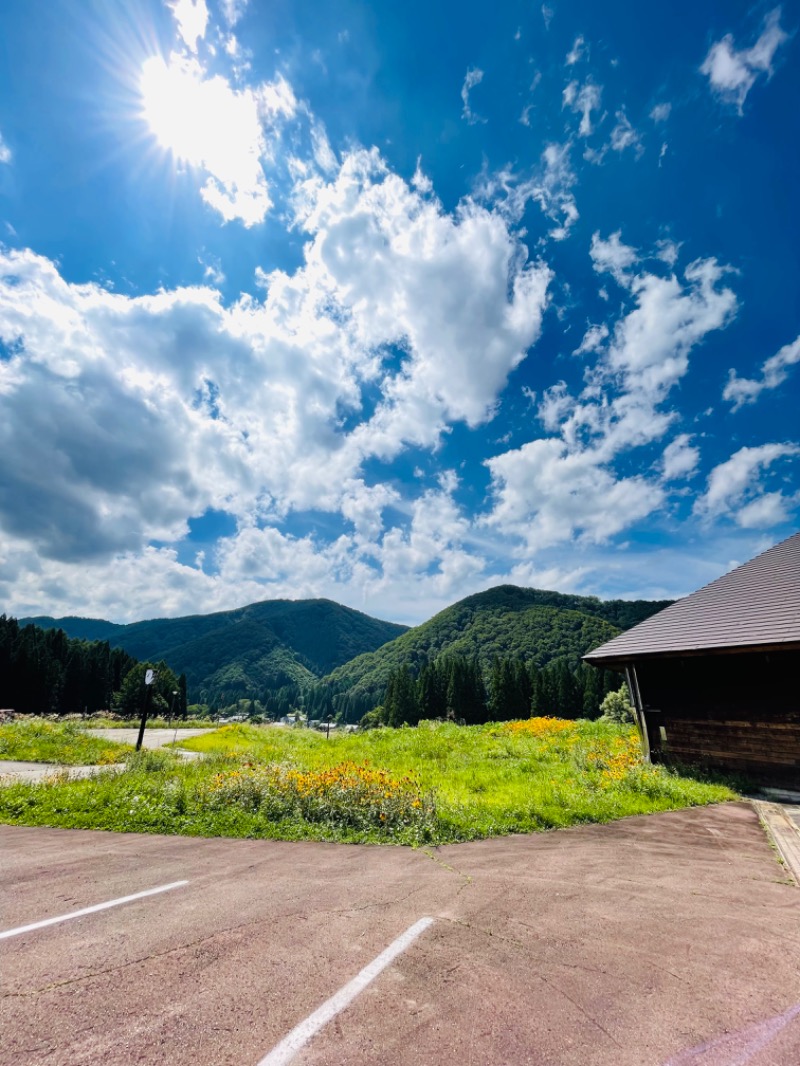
628, 944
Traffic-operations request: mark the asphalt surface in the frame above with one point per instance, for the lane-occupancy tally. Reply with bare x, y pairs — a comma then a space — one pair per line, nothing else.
671, 940
153, 738
31, 772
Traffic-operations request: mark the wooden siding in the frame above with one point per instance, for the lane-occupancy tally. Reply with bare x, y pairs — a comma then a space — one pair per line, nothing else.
737, 713
767, 751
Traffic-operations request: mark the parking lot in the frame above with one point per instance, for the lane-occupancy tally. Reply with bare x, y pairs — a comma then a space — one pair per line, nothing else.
671, 940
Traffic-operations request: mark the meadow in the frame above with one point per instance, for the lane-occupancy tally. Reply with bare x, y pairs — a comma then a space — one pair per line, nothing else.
432, 784
42, 740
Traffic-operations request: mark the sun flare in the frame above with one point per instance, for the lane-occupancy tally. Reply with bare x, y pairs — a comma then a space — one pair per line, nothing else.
174, 107
207, 123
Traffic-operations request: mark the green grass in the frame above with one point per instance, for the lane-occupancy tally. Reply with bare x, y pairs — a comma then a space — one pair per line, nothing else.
65, 743
433, 784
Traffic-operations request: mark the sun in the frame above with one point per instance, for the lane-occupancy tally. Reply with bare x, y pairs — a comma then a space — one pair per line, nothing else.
174, 107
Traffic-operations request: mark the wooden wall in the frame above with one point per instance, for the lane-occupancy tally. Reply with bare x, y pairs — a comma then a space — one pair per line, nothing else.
737, 713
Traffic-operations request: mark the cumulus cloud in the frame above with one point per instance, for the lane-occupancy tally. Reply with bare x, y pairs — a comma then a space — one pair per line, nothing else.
583, 100
612, 256
191, 17
680, 458
121, 418
5, 151
774, 371
553, 489
736, 488
731, 73
547, 494
474, 76
454, 291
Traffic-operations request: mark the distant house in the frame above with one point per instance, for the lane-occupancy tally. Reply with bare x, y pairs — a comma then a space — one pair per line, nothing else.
715, 678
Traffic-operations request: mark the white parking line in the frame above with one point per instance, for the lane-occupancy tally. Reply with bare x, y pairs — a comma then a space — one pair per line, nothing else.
90, 910
301, 1034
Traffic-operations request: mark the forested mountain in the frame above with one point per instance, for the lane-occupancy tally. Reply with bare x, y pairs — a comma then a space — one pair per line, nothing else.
530, 625
251, 652
329, 659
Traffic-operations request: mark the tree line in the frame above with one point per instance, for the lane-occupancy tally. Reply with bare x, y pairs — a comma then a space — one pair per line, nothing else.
43, 671
456, 688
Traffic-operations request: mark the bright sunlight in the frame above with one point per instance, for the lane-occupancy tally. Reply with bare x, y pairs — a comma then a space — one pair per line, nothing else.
209, 125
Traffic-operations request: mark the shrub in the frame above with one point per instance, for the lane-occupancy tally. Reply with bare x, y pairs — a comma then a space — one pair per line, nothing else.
616, 707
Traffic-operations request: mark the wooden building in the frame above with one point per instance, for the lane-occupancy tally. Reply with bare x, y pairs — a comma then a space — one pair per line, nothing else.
715, 677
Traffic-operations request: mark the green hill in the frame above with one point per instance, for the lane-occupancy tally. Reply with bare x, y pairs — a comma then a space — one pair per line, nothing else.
254, 651
509, 622
245, 653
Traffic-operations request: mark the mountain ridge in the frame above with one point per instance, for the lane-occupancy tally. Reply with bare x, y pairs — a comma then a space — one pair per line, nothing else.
255, 650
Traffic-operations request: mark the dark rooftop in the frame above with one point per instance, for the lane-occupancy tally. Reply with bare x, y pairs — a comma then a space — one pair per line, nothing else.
755, 605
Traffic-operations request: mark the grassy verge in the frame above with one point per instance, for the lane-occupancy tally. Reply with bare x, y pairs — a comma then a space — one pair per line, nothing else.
433, 784
66, 743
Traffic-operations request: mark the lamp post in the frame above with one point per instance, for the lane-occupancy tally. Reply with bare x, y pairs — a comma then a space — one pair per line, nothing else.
149, 678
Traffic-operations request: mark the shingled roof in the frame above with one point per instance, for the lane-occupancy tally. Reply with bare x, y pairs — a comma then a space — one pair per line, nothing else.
754, 607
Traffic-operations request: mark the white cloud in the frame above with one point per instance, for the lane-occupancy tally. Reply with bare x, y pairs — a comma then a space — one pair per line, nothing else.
680, 458
625, 136
232, 10
733, 73
547, 494
324, 155
652, 343
612, 256
191, 17
593, 339
736, 487
583, 100
774, 371
577, 52
661, 112
421, 182
550, 186
558, 488
219, 129
668, 251
547, 15
473, 77
212, 269
5, 151
255, 408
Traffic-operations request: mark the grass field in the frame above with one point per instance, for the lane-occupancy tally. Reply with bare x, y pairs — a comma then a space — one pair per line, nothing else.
433, 784
66, 743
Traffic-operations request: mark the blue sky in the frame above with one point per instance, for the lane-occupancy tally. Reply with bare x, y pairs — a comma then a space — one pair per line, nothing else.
391, 303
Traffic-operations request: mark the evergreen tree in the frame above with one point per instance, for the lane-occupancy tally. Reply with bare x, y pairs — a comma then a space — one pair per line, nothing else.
401, 706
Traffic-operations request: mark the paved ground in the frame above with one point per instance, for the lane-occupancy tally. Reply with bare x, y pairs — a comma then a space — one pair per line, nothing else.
671, 940
11, 770
153, 738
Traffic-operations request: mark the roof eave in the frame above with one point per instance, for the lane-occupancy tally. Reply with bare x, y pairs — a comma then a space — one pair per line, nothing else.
625, 658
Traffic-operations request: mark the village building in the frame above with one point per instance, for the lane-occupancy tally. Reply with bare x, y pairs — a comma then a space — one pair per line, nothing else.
715, 677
